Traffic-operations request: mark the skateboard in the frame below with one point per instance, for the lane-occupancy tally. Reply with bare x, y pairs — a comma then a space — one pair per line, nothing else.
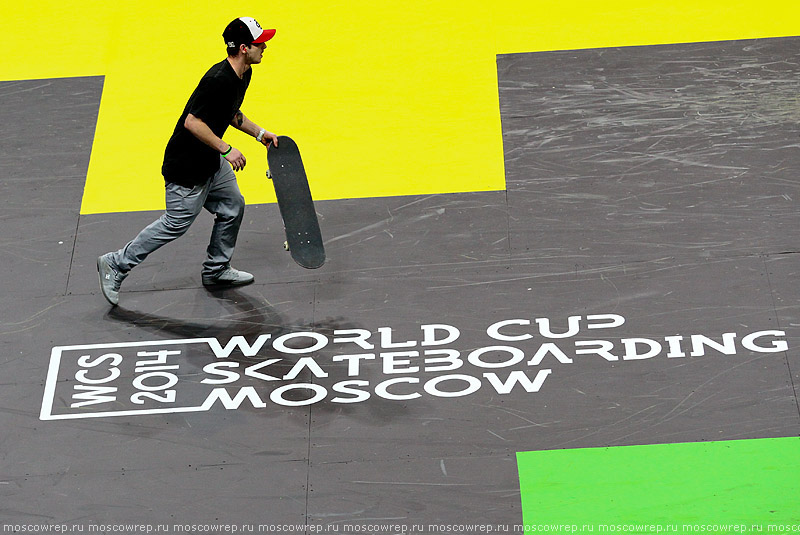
303, 237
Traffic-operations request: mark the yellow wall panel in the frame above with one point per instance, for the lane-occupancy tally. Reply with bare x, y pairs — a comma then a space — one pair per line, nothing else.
384, 98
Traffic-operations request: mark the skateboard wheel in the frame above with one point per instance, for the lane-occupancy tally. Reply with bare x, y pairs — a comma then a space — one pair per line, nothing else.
269, 174
286, 245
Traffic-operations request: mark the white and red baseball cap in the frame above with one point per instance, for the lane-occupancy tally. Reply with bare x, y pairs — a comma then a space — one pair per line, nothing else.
246, 31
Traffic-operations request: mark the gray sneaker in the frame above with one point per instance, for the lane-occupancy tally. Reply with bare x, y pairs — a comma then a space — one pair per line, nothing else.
110, 279
228, 277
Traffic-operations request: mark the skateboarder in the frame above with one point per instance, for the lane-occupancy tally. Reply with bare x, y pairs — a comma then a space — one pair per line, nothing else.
199, 167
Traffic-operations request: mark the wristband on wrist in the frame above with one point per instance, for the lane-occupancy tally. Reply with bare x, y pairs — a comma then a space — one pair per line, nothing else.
230, 148
260, 135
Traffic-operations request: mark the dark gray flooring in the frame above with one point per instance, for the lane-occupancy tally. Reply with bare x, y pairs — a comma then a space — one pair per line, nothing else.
654, 184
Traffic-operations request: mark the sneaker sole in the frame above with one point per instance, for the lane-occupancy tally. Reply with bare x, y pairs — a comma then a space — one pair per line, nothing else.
225, 284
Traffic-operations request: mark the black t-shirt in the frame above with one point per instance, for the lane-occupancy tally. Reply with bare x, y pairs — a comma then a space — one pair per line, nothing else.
219, 95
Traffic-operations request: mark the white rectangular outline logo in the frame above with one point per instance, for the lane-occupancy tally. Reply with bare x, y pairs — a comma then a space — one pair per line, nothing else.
55, 365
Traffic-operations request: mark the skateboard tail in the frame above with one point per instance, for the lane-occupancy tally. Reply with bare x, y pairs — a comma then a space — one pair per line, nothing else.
306, 245
311, 258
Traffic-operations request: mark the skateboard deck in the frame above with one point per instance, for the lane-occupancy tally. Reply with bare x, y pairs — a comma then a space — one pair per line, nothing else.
303, 237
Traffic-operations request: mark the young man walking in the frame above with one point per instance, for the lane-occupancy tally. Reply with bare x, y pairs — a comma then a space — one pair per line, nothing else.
199, 167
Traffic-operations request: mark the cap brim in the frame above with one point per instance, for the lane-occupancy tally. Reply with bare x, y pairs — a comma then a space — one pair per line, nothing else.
265, 36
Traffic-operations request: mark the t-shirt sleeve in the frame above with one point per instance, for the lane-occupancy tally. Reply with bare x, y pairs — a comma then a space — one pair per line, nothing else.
205, 103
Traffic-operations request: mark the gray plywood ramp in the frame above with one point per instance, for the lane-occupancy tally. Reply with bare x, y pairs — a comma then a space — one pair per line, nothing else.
635, 284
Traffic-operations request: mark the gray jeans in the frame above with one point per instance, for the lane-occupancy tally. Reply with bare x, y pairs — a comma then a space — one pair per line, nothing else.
220, 196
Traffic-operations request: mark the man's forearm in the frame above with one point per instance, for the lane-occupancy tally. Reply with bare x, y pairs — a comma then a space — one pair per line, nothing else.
203, 132
240, 122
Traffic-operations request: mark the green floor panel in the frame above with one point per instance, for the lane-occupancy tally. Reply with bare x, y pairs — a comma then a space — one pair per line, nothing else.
729, 486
